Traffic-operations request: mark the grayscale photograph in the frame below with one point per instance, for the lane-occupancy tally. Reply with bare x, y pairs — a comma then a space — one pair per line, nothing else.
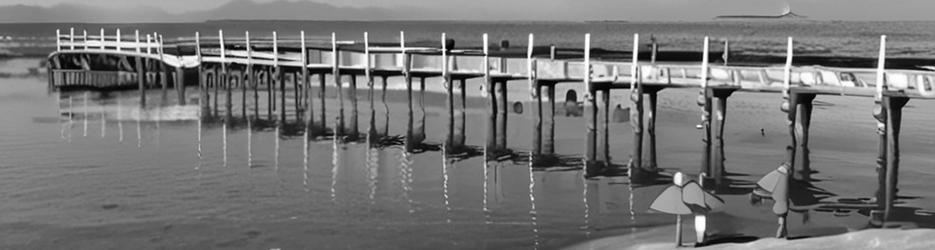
453, 124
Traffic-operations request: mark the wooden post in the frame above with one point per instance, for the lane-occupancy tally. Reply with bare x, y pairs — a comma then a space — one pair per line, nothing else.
894, 107
537, 122
704, 100
462, 137
491, 100
721, 110
804, 103
590, 105
407, 74
789, 106
102, 38
352, 88
251, 76
202, 91
386, 108
58, 39
549, 146
880, 113
242, 80
336, 72
652, 164
321, 98
119, 47
535, 97
297, 96
71, 38
163, 79
504, 111
504, 105
225, 79
270, 94
306, 82
180, 84
449, 98
636, 95
280, 79
604, 119
140, 72
371, 131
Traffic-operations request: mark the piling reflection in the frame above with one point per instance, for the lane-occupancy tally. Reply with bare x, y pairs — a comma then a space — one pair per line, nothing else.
398, 127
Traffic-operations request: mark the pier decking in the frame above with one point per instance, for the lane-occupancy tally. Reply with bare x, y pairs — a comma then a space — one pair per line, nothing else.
285, 66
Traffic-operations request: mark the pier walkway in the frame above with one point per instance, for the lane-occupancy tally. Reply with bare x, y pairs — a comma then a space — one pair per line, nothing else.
290, 65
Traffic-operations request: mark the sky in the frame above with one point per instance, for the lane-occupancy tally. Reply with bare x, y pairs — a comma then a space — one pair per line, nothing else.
663, 10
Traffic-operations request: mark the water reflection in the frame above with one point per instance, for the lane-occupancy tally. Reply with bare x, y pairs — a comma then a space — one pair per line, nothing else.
584, 204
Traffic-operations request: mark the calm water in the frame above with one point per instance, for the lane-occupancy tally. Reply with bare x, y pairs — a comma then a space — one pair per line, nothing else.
99, 170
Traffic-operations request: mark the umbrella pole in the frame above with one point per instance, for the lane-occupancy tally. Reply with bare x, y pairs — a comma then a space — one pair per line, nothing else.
678, 230
781, 232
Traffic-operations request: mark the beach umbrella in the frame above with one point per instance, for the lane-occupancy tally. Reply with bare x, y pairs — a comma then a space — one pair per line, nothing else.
709, 200
684, 198
775, 185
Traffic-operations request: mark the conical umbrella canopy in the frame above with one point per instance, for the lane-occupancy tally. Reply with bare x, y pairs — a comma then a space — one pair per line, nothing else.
670, 201
769, 181
699, 199
776, 183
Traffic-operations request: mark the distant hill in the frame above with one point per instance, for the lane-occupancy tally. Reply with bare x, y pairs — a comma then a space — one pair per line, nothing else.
286, 10
78, 13
237, 9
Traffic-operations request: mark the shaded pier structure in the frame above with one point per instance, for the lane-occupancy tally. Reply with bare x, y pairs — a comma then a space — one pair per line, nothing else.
291, 82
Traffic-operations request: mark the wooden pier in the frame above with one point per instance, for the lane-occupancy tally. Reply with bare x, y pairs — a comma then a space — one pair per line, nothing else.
287, 69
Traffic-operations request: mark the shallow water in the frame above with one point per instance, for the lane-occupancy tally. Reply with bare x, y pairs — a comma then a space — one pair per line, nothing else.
170, 175
825, 38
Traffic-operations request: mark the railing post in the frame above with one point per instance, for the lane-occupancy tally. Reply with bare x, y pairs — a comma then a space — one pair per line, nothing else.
137, 33
84, 39
102, 38
71, 37
118, 40
149, 46
58, 40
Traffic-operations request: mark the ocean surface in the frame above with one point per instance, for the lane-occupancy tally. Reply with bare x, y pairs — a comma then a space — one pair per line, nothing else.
100, 170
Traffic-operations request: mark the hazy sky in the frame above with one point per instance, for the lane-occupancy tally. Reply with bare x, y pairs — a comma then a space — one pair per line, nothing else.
590, 9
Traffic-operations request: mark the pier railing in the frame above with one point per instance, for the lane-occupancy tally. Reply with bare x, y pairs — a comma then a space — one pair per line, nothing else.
362, 57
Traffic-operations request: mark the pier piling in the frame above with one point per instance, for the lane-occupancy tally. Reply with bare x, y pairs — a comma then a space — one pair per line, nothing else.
803, 163
636, 96
894, 106
721, 94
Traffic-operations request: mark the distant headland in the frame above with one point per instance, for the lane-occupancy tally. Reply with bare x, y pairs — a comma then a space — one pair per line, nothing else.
786, 14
